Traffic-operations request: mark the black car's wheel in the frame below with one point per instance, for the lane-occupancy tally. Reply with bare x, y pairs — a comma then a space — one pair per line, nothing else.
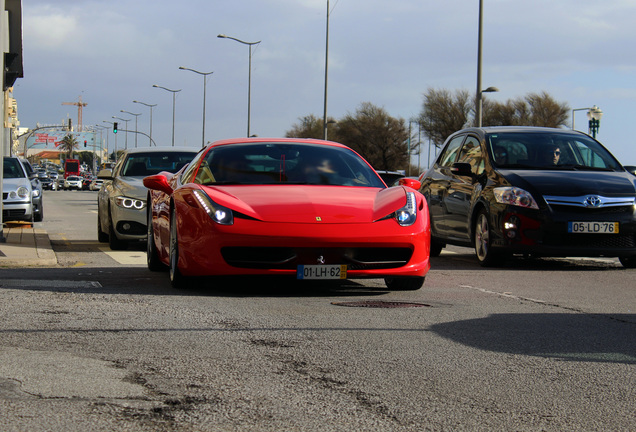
113, 241
628, 262
152, 257
411, 283
177, 280
485, 254
102, 237
39, 216
436, 248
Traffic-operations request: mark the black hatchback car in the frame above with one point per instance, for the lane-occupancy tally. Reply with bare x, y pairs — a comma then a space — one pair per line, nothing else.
531, 191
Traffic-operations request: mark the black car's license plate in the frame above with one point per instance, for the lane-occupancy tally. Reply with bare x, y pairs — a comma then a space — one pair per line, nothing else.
322, 271
593, 227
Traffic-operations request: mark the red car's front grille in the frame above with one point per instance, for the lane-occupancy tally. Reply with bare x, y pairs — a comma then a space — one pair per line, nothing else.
289, 258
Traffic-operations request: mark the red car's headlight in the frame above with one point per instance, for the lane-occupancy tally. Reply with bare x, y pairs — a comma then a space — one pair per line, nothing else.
407, 215
218, 213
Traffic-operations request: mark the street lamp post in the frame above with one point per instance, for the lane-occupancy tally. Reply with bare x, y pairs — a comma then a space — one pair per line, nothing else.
126, 121
174, 93
136, 115
151, 106
408, 151
594, 115
249, 77
479, 92
205, 79
324, 118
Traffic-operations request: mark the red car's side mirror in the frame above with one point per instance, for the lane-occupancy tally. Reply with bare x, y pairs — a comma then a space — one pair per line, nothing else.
158, 182
412, 183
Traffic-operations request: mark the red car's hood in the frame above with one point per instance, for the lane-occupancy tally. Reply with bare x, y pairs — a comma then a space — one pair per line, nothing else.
309, 204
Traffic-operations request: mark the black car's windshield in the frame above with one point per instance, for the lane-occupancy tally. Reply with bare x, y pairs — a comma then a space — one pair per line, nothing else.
146, 164
545, 150
12, 168
285, 163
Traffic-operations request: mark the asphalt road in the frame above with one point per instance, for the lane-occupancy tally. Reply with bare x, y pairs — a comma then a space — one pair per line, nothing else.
99, 343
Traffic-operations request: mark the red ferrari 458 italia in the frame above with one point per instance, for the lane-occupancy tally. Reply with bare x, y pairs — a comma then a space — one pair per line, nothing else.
304, 208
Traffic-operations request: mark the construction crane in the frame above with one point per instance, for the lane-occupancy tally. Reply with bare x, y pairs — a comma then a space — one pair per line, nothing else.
79, 106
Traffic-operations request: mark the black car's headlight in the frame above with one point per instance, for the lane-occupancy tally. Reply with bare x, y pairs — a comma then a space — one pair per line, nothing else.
218, 213
36, 193
407, 215
515, 196
130, 203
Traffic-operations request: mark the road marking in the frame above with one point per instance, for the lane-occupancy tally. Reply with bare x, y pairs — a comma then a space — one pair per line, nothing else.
35, 283
504, 294
126, 257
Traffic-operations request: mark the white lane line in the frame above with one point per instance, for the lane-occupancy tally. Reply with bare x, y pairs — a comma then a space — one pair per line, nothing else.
504, 294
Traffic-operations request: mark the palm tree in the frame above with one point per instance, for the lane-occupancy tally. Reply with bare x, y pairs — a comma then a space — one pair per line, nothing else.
68, 144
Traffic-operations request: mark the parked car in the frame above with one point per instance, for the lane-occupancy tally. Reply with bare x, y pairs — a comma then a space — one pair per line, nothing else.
121, 201
86, 182
53, 178
96, 184
48, 183
307, 209
73, 182
391, 178
17, 191
36, 188
531, 191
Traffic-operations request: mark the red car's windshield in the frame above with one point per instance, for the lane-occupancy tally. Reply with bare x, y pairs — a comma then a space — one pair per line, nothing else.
285, 163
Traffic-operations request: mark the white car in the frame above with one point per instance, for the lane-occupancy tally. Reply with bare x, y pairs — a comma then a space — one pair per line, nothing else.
121, 202
73, 182
96, 184
17, 200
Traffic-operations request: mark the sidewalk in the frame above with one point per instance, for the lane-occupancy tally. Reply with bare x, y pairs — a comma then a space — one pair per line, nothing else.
26, 247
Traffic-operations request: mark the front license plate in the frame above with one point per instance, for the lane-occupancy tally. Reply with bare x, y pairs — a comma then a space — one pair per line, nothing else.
337, 271
593, 227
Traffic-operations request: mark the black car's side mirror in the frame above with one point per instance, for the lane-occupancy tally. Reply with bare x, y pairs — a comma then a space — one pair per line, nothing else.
462, 169
630, 168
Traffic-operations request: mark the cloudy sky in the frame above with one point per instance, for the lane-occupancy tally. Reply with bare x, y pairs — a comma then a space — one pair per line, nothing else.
111, 52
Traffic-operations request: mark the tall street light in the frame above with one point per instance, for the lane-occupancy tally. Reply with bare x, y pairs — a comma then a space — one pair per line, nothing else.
594, 117
479, 92
249, 77
136, 115
324, 117
205, 79
151, 106
124, 120
174, 93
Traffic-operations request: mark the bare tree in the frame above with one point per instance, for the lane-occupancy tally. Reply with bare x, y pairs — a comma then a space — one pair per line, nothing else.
310, 126
444, 113
381, 139
536, 109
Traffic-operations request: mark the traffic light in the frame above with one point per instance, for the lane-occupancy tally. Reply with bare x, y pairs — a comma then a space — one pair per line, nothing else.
84, 143
115, 127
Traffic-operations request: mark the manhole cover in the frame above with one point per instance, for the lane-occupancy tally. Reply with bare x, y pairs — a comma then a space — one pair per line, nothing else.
380, 304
